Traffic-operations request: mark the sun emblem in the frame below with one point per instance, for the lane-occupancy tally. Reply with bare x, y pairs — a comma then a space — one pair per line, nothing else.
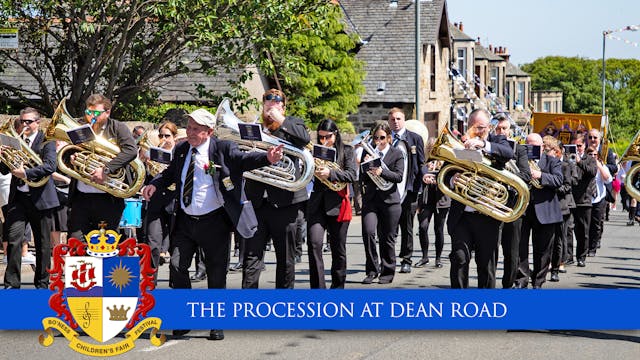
120, 276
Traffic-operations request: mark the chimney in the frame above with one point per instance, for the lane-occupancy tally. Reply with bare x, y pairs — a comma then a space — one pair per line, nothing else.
478, 41
504, 53
455, 25
490, 47
461, 27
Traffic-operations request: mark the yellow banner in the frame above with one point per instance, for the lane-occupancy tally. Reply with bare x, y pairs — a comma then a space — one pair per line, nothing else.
118, 348
562, 126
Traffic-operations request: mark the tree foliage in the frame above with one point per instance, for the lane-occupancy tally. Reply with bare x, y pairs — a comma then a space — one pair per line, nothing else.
126, 49
580, 80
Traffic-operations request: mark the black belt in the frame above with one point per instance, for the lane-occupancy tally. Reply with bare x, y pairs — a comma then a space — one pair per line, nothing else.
202, 217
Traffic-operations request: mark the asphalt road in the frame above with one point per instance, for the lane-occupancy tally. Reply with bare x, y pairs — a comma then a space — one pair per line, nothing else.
617, 266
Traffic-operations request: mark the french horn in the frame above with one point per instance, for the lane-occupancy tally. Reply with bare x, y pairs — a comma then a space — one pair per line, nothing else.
14, 158
81, 160
283, 174
479, 185
632, 153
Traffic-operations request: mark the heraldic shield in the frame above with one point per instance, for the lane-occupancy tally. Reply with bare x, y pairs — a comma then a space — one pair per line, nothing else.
102, 289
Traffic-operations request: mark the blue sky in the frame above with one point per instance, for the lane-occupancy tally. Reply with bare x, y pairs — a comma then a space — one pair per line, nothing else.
538, 28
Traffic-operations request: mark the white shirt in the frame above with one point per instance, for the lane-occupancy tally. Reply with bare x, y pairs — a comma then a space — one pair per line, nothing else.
205, 197
89, 189
32, 138
601, 191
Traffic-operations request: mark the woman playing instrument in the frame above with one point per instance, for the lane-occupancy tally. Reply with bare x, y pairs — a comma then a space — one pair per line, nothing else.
381, 208
327, 210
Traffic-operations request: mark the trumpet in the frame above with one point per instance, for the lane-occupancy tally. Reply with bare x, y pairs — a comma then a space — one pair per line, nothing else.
80, 161
479, 185
153, 167
533, 165
632, 153
14, 158
292, 173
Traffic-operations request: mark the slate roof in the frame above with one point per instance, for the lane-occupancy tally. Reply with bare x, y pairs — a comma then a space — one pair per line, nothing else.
389, 48
513, 70
482, 53
458, 35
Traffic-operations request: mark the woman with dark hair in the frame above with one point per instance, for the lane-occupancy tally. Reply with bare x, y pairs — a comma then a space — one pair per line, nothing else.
330, 210
381, 208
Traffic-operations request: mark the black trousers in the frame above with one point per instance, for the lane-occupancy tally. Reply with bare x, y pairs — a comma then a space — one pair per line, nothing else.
156, 227
596, 225
439, 220
337, 236
280, 225
541, 239
409, 208
559, 248
479, 233
582, 221
20, 212
89, 210
211, 233
383, 219
510, 242
568, 227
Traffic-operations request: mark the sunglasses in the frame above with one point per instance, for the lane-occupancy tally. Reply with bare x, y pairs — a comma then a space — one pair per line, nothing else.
164, 136
379, 137
322, 137
579, 145
27, 121
593, 137
94, 112
276, 98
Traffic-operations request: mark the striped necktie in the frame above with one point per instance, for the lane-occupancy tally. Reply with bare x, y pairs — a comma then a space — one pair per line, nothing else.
187, 190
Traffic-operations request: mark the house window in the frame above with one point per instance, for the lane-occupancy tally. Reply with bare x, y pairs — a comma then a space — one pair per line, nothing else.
494, 81
520, 97
462, 62
546, 106
433, 68
507, 91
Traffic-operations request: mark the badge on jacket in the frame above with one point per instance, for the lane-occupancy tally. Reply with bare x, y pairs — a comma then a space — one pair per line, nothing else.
228, 184
413, 150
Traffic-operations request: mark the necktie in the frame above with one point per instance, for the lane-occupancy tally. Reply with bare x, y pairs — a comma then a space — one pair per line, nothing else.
396, 138
28, 141
187, 190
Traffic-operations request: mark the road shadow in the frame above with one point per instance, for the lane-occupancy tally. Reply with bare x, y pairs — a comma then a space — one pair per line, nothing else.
598, 335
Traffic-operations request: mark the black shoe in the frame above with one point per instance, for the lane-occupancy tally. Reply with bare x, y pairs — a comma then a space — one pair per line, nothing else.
216, 335
180, 333
369, 279
569, 262
630, 223
405, 268
386, 280
581, 263
236, 253
298, 259
438, 263
554, 277
326, 248
421, 263
267, 247
236, 267
591, 254
198, 276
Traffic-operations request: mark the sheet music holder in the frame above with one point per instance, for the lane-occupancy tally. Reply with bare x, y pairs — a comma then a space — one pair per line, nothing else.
10, 141
160, 155
533, 152
250, 132
468, 154
81, 134
324, 153
376, 162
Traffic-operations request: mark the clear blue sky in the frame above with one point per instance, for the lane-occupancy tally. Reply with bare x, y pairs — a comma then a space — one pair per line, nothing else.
538, 28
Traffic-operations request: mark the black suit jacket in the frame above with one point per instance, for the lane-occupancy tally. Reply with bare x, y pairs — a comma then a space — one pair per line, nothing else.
395, 168
583, 191
233, 163
545, 201
44, 197
569, 180
294, 131
325, 200
416, 160
501, 152
522, 162
119, 134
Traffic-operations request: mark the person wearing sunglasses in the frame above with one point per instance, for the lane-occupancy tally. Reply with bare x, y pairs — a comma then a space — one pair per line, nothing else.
278, 209
90, 205
470, 229
381, 208
32, 205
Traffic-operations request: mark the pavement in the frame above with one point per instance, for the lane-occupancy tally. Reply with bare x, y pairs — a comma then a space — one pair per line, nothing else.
616, 266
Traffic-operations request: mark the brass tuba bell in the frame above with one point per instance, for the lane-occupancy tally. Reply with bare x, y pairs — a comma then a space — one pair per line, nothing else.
26, 157
479, 185
632, 154
81, 160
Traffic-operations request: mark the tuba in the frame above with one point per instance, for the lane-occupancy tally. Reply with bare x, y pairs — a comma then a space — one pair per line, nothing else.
81, 160
153, 167
281, 174
632, 154
26, 157
479, 185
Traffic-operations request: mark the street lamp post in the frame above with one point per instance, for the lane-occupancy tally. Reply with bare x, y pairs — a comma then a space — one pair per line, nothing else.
605, 34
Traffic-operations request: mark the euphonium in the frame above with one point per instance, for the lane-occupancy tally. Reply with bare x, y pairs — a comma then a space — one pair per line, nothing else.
381, 183
81, 160
26, 157
632, 154
281, 174
153, 167
479, 185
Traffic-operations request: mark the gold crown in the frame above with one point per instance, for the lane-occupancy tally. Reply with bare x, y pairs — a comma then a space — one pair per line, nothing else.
102, 243
118, 314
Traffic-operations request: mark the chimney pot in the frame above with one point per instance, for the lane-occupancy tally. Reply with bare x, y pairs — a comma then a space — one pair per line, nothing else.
490, 47
478, 41
461, 26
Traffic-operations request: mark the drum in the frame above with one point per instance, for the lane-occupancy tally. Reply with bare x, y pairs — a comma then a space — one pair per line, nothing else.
132, 214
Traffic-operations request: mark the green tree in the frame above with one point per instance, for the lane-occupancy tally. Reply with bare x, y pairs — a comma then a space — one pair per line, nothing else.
124, 49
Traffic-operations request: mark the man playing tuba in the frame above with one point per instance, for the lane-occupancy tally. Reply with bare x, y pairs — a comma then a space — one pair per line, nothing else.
90, 205
470, 229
